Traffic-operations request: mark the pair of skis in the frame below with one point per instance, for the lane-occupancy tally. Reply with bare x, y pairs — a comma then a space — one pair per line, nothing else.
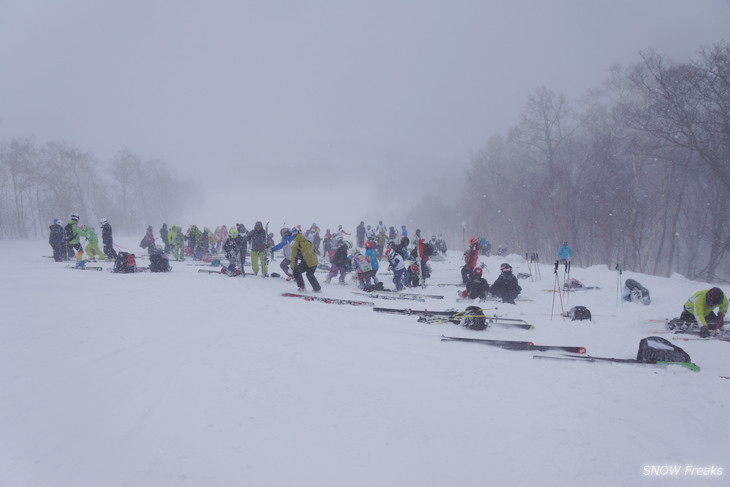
588, 358
323, 299
515, 345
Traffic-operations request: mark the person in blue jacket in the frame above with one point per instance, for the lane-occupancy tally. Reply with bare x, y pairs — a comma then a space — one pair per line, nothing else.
372, 254
565, 253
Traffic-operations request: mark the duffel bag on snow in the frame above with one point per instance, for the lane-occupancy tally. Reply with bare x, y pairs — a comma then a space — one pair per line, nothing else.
657, 349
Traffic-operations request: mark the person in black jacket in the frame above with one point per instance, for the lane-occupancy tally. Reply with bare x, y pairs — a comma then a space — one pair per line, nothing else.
107, 239
235, 251
258, 237
57, 239
340, 262
506, 285
476, 287
163, 235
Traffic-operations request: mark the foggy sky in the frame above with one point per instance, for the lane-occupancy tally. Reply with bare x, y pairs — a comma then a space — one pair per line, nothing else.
368, 87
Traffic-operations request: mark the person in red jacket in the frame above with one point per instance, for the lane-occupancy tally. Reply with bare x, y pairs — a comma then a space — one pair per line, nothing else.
471, 258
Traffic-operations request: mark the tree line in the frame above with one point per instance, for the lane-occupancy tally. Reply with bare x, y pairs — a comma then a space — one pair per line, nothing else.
41, 182
637, 172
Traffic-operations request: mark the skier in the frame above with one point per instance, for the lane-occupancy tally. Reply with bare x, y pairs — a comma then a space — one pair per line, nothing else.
57, 238
73, 237
341, 232
287, 237
340, 262
360, 234
372, 254
258, 238
164, 237
699, 309
397, 264
328, 243
149, 238
178, 243
107, 239
565, 253
233, 251
304, 261
471, 257
506, 285
476, 287
361, 265
92, 248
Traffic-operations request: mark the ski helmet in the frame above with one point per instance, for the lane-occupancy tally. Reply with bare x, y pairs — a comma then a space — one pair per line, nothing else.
284, 232
349, 244
478, 271
473, 241
57, 221
369, 244
233, 233
505, 267
715, 296
294, 231
75, 217
103, 221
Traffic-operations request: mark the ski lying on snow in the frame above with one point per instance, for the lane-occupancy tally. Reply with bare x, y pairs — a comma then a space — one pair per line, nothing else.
420, 312
85, 268
390, 296
307, 297
516, 345
589, 358
456, 319
410, 295
570, 290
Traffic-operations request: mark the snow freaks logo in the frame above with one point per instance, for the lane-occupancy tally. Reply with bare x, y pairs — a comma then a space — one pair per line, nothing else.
681, 471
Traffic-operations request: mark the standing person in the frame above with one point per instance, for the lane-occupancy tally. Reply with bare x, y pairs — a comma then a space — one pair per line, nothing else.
258, 238
270, 245
149, 238
287, 237
471, 257
565, 253
222, 237
164, 237
232, 250
340, 262
392, 234
178, 243
381, 239
360, 235
506, 285
107, 239
372, 254
244, 234
56, 239
328, 243
700, 307
73, 237
369, 234
92, 248
403, 231
397, 264
341, 232
362, 267
380, 227
420, 249
304, 261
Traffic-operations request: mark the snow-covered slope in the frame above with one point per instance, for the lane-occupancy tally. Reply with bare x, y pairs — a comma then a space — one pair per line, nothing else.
197, 379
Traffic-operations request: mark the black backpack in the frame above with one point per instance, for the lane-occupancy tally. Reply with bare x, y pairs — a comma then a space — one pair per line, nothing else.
657, 349
69, 232
125, 263
579, 313
474, 318
429, 250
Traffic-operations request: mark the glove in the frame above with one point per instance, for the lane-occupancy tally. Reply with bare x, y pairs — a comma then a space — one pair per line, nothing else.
464, 293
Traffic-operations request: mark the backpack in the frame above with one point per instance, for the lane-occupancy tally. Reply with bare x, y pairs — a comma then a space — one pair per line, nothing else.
373, 287
125, 263
69, 232
657, 349
579, 313
159, 263
474, 318
429, 250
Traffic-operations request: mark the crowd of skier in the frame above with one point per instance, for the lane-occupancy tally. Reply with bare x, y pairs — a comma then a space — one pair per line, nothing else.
303, 251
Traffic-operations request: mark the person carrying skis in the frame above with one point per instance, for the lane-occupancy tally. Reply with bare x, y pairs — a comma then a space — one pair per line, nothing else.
476, 287
258, 238
304, 261
699, 309
506, 285
471, 258
56, 239
107, 239
73, 237
565, 253
92, 248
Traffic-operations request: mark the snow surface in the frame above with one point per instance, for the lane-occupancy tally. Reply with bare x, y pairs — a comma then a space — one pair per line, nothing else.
198, 379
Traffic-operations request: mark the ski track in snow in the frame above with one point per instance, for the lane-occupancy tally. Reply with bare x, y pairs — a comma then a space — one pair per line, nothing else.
199, 379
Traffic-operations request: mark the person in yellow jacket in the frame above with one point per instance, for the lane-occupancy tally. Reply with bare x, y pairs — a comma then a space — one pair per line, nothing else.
304, 261
700, 309
92, 248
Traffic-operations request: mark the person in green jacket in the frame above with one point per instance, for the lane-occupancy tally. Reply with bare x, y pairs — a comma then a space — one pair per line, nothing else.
73, 237
176, 239
304, 261
92, 248
700, 309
